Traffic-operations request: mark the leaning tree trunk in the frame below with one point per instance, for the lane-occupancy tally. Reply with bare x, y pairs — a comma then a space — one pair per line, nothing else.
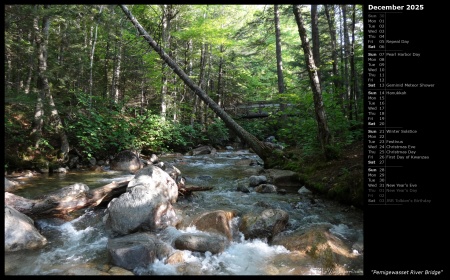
259, 147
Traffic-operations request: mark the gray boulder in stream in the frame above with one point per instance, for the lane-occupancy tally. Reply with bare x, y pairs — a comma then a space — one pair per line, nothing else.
10, 185
157, 181
283, 178
126, 161
265, 224
20, 233
218, 221
201, 242
146, 206
138, 250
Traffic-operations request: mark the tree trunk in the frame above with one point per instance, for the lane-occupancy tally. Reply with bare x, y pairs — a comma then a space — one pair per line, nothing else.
281, 85
315, 39
334, 54
201, 81
165, 37
324, 133
353, 78
42, 82
53, 206
117, 65
44, 91
346, 56
91, 57
278, 50
220, 77
59, 128
261, 149
31, 62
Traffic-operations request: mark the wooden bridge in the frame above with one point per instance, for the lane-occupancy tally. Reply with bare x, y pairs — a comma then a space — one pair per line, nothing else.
255, 109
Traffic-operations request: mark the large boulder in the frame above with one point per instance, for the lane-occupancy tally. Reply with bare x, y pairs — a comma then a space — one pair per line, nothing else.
138, 250
139, 209
157, 181
265, 224
126, 161
146, 205
327, 250
255, 180
218, 221
10, 185
172, 170
283, 178
20, 232
201, 242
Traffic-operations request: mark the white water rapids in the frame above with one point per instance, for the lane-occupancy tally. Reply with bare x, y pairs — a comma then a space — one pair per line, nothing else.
83, 240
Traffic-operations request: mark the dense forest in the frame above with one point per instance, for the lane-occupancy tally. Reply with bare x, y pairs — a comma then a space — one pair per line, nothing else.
84, 80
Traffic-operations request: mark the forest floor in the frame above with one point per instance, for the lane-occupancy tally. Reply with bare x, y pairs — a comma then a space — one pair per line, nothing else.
341, 179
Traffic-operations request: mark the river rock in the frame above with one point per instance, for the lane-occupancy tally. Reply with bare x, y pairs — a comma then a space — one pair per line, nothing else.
266, 188
115, 270
126, 161
202, 150
140, 208
255, 180
170, 169
283, 178
137, 250
328, 250
304, 190
265, 224
20, 232
158, 181
201, 242
10, 185
85, 269
146, 205
216, 221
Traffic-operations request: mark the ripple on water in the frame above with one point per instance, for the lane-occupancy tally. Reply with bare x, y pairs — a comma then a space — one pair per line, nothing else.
84, 239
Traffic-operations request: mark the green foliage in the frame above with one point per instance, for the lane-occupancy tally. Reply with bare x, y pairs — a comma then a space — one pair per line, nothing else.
340, 126
184, 137
332, 152
301, 133
349, 187
239, 37
217, 133
257, 127
99, 132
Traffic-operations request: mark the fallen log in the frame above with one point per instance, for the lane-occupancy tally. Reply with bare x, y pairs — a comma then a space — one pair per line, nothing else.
67, 200
75, 197
188, 189
103, 195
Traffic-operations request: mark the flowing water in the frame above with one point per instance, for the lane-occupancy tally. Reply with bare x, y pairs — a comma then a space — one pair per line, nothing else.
83, 240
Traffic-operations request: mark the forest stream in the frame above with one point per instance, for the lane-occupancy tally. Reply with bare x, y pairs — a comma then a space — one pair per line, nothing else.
82, 241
